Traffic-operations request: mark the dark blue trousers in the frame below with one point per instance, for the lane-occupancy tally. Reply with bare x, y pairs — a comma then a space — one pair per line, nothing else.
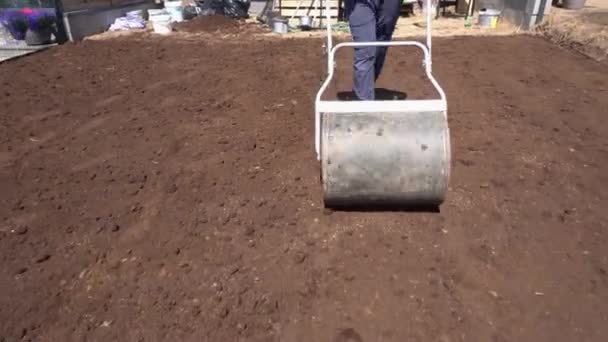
370, 21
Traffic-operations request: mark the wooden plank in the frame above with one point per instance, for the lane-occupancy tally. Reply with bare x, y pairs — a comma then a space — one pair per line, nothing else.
461, 6
314, 8
305, 3
316, 24
301, 8
308, 7
310, 12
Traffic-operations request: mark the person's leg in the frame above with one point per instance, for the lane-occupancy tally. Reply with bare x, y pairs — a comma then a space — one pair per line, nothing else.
388, 13
362, 22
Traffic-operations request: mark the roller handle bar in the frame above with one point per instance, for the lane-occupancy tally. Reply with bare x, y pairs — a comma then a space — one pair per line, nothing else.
330, 47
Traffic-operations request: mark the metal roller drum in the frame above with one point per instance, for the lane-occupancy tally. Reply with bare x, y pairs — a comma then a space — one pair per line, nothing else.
385, 153
385, 158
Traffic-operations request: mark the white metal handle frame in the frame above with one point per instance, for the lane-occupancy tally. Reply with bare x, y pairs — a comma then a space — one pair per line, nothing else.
403, 105
440, 104
330, 41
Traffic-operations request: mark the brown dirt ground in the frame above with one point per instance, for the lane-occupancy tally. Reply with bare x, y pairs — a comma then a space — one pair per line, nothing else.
155, 188
210, 24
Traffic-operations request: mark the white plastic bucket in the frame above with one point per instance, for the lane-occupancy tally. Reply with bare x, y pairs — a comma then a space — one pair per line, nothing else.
176, 10
279, 25
161, 23
488, 17
306, 21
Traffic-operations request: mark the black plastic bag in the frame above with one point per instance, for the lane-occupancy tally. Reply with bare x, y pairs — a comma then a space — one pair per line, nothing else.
236, 8
211, 7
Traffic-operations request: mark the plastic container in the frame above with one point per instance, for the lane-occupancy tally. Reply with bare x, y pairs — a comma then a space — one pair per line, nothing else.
135, 14
488, 17
161, 23
160, 17
279, 25
573, 4
176, 10
305, 22
153, 12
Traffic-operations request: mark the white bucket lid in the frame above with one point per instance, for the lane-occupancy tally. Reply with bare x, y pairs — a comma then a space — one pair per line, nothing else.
489, 11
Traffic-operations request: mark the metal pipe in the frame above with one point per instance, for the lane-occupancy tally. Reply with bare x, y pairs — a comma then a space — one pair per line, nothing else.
428, 34
541, 12
329, 41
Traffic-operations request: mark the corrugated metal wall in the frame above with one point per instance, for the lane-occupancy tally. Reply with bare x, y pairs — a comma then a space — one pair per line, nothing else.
71, 5
27, 3
68, 5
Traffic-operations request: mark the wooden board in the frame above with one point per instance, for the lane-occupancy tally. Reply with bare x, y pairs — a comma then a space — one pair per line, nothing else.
318, 24
310, 12
461, 6
305, 3
308, 7
312, 8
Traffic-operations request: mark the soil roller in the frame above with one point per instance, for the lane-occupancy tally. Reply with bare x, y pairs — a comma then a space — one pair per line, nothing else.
383, 152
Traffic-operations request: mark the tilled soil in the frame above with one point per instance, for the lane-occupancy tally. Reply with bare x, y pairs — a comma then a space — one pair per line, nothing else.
159, 189
213, 23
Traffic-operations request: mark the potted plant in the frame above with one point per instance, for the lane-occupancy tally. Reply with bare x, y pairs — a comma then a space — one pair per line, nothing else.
15, 22
41, 23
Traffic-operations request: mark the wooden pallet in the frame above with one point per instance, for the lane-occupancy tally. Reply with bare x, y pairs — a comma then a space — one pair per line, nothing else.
313, 8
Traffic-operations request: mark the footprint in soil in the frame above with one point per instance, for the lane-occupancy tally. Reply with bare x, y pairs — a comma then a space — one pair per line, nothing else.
348, 335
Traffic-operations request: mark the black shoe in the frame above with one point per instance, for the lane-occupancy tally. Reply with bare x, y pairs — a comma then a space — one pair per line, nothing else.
347, 96
383, 94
